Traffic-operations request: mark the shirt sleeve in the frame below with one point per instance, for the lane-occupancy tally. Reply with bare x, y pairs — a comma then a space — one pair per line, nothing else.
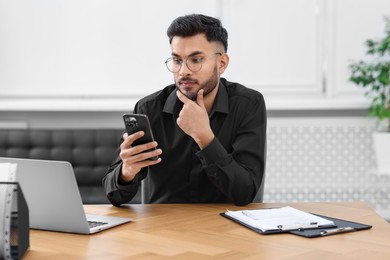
116, 191
239, 174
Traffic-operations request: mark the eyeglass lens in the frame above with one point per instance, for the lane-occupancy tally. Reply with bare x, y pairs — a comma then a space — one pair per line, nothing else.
193, 63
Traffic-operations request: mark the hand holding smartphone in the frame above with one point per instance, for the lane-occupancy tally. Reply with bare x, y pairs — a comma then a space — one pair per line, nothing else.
139, 122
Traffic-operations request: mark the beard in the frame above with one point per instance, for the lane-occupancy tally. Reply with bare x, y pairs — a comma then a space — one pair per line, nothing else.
209, 85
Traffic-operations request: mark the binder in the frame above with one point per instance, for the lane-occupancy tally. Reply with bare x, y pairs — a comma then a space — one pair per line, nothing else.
340, 226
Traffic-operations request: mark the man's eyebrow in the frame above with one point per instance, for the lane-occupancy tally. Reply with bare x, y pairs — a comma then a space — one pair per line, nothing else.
192, 54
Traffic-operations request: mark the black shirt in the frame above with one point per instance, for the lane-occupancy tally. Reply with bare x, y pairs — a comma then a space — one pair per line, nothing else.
229, 170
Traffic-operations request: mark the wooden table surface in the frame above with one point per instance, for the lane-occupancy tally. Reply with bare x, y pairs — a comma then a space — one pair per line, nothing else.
197, 231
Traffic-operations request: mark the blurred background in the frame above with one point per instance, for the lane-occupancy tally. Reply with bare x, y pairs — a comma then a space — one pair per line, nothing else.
81, 64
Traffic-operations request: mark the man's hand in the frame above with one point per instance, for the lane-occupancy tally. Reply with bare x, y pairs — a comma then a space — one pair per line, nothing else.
194, 120
135, 158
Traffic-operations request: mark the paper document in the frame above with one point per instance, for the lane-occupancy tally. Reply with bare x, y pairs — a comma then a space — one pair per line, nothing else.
285, 218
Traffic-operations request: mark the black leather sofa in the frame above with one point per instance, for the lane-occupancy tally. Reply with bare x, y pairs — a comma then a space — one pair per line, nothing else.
90, 151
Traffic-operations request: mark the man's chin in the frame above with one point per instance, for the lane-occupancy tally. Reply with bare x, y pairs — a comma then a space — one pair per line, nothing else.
191, 96
188, 94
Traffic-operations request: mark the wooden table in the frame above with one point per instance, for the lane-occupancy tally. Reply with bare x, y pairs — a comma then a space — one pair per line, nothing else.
197, 231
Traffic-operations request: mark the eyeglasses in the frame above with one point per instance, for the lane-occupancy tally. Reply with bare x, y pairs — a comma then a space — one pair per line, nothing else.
193, 63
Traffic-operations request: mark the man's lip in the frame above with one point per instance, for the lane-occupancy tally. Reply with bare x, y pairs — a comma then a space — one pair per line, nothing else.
185, 82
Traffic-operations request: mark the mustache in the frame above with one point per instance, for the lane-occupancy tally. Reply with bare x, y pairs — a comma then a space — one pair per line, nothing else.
187, 79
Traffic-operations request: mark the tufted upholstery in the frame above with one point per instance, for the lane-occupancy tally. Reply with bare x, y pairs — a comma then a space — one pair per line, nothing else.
89, 151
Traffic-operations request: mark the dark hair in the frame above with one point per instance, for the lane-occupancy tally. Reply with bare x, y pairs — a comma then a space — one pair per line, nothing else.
190, 25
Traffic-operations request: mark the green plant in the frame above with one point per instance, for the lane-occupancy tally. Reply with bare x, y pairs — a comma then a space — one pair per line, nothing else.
374, 76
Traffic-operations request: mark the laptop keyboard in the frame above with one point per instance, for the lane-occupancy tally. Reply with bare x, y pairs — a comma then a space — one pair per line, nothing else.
93, 224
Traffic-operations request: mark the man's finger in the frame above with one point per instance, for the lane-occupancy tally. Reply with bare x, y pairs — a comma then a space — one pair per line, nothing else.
199, 98
129, 139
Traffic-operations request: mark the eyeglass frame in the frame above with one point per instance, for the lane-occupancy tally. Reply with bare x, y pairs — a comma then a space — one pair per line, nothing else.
170, 59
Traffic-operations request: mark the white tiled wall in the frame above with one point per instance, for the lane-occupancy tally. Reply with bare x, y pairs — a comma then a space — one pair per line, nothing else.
324, 160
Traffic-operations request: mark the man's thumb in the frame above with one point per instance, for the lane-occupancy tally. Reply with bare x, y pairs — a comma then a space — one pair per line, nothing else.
199, 98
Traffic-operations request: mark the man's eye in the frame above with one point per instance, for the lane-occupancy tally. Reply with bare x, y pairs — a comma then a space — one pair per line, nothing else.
196, 60
177, 61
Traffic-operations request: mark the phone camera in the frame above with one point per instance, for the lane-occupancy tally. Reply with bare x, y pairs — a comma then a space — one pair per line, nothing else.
131, 121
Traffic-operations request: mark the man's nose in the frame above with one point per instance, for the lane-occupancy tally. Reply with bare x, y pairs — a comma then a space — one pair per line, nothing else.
184, 70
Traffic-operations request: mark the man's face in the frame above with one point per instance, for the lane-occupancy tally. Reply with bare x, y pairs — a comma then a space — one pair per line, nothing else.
196, 48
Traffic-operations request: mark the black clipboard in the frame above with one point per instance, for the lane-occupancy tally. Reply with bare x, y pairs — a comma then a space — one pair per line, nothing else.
341, 226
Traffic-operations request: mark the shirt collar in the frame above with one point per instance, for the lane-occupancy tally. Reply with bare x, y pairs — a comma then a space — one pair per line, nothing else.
173, 105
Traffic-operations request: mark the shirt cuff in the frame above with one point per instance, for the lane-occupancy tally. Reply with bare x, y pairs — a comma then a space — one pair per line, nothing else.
124, 185
213, 153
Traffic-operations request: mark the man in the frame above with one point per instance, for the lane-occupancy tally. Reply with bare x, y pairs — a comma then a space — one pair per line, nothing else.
209, 133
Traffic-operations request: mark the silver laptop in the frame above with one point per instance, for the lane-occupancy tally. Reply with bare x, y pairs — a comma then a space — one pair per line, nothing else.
53, 198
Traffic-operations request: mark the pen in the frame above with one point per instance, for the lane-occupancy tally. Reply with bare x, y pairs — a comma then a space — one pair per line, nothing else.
298, 226
249, 215
336, 231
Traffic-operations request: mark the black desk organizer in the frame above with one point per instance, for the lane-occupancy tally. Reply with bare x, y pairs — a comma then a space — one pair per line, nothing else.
14, 226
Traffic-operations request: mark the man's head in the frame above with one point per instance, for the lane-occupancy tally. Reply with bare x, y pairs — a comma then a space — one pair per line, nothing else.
199, 45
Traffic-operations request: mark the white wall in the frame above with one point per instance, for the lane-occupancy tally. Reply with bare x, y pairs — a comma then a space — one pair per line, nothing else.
105, 55
83, 48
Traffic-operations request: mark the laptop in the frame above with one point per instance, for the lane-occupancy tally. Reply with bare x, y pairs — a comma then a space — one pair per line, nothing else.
53, 198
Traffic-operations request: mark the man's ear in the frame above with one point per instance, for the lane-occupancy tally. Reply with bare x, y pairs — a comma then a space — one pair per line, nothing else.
224, 62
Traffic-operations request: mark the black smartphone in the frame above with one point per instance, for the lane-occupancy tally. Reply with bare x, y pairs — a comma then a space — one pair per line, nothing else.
138, 122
